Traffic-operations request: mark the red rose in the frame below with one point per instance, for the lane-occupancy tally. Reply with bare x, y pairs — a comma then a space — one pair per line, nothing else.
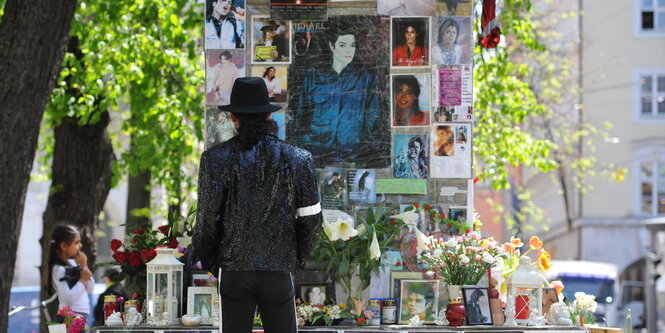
441, 216
138, 231
115, 244
427, 207
164, 229
153, 253
361, 320
399, 263
468, 230
135, 259
145, 254
173, 243
415, 204
450, 225
475, 180
120, 256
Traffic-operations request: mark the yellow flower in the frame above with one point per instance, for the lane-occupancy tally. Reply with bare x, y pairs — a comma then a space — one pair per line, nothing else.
516, 242
342, 305
543, 260
535, 243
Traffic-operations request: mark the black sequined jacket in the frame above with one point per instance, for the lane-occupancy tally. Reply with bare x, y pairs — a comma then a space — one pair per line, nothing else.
258, 209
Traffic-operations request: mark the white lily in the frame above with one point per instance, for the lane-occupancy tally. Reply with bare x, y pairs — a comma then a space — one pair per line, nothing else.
327, 229
374, 249
422, 241
343, 229
362, 229
409, 217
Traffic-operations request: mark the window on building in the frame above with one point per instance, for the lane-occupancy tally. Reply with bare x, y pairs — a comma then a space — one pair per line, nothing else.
652, 185
652, 15
652, 94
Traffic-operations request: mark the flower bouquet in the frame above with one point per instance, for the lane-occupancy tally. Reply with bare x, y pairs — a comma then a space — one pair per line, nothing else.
513, 254
344, 251
582, 309
463, 259
74, 324
361, 316
314, 315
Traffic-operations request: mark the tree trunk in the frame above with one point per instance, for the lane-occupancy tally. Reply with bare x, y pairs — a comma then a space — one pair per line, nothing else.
82, 171
30, 57
138, 199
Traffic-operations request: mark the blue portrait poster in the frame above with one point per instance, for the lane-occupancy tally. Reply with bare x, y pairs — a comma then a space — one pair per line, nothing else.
410, 156
339, 104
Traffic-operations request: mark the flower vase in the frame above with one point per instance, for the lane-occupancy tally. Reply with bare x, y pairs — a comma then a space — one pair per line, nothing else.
455, 312
454, 291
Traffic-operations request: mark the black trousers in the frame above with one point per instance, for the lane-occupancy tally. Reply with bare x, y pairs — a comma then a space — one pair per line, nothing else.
272, 292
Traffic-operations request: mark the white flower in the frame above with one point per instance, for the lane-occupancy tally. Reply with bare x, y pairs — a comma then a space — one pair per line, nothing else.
464, 259
437, 253
374, 249
362, 229
334, 312
488, 258
410, 217
327, 228
422, 241
343, 229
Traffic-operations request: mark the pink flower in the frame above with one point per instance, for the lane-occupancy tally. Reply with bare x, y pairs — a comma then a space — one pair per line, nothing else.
478, 257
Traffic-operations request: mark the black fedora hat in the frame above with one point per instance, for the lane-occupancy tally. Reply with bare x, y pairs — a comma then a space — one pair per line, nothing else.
271, 24
250, 95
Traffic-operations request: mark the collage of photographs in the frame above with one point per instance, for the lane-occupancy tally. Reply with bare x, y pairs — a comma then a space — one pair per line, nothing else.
368, 120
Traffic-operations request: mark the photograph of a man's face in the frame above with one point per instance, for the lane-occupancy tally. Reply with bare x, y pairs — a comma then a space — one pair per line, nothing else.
410, 41
410, 99
418, 298
410, 151
224, 24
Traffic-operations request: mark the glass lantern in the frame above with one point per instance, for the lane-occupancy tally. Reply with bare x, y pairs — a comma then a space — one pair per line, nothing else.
525, 294
164, 288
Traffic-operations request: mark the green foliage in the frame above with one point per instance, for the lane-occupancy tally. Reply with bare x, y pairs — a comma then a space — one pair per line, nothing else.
139, 61
528, 107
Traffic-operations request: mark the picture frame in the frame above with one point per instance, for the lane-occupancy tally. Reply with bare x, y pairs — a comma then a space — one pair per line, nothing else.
396, 281
279, 51
549, 297
315, 294
203, 301
418, 28
200, 278
419, 298
477, 304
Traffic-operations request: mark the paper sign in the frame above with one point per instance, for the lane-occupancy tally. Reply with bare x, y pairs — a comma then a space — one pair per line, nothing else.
60, 328
401, 186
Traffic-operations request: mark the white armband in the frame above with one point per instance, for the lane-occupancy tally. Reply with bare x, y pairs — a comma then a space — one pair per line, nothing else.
309, 210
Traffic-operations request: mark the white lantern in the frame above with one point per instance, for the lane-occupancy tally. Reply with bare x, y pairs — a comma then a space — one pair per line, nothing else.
164, 288
525, 295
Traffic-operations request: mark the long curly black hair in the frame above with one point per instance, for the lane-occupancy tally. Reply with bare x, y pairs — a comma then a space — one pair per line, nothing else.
253, 127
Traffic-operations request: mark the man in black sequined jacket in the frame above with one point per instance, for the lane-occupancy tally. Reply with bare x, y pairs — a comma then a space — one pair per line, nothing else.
258, 214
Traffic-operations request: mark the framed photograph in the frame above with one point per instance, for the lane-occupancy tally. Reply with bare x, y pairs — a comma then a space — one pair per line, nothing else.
203, 301
452, 44
410, 152
271, 40
477, 304
229, 14
409, 41
223, 67
419, 298
396, 281
410, 99
314, 294
275, 78
549, 298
